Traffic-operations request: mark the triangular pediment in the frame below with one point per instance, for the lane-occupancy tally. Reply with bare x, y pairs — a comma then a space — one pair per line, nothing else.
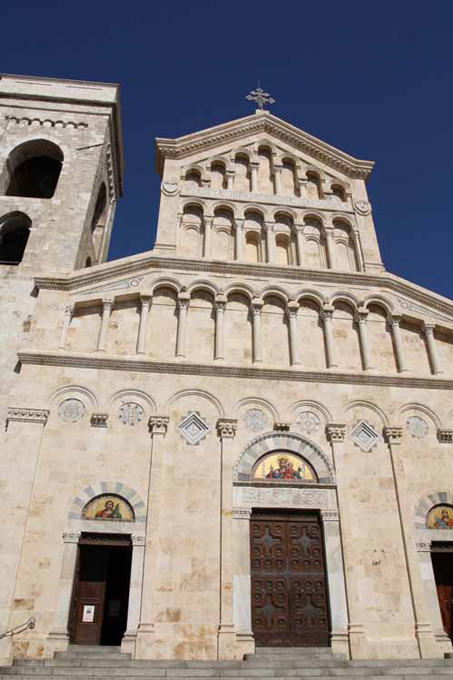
265, 123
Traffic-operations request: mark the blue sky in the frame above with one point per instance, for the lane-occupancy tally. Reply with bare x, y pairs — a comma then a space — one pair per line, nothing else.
374, 79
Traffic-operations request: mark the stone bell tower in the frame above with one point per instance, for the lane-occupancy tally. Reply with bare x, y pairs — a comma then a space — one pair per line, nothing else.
60, 178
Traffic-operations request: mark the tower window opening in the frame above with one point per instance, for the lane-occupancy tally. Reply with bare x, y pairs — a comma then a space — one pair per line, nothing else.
33, 169
14, 233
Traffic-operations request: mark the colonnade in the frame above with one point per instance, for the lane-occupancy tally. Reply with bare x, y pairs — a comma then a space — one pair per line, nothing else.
256, 305
327, 233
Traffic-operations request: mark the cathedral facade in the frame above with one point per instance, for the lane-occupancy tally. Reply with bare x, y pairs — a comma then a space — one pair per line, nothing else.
240, 438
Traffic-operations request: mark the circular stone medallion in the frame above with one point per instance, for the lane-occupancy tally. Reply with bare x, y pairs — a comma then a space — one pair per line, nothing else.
130, 413
417, 427
308, 422
71, 410
255, 420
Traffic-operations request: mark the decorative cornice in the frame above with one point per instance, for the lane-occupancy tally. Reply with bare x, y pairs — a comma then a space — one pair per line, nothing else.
119, 363
267, 123
40, 122
99, 419
106, 272
158, 424
27, 415
226, 428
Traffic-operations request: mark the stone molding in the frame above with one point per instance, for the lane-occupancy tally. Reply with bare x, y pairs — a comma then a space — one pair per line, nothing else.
282, 427
336, 432
118, 363
226, 428
330, 515
76, 282
99, 419
158, 424
47, 122
423, 546
138, 540
27, 415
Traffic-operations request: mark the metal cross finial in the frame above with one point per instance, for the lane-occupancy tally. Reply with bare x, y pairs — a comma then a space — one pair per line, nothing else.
260, 97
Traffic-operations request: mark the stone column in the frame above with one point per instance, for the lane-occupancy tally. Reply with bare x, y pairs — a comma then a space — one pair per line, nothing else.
330, 245
207, 222
423, 632
326, 315
336, 433
135, 595
183, 308
68, 314
254, 174
256, 308
300, 244
292, 309
363, 337
158, 428
397, 341
59, 636
336, 581
220, 306
239, 240
103, 333
226, 429
428, 329
230, 180
278, 179
358, 249
302, 181
145, 304
270, 241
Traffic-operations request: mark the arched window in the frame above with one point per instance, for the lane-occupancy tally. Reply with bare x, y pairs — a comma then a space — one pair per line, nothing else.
282, 246
192, 179
338, 193
100, 209
313, 186
33, 169
88, 262
14, 233
218, 175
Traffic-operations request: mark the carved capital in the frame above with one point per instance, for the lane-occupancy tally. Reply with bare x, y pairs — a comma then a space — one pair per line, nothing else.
183, 301
278, 169
282, 427
242, 513
428, 329
327, 312
99, 419
362, 315
69, 311
72, 537
145, 301
330, 515
423, 546
269, 227
226, 427
138, 540
445, 436
256, 306
393, 435
220, 304
158, 424
336, 432
395, 320
28, 415
292, 309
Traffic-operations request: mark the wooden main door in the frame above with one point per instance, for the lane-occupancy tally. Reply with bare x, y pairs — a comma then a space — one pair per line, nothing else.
289, 593
101, 591
442, 557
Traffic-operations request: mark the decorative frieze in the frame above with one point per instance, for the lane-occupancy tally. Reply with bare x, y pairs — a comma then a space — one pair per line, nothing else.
130, 414
330, 515
158, 424
423, 546
242, 513
308, 422
27, 415
99, 419
283, 497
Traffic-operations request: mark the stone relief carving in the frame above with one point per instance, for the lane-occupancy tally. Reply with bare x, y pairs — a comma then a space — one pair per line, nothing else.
364, 436
130, 414
255, 420
417, 427
193, 428
362, 207
170, 188
71, 410
308, 422
28, 415
284, 497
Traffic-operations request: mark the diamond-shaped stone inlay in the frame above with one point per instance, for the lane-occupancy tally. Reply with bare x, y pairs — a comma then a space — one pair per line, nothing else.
193, 428
364, 436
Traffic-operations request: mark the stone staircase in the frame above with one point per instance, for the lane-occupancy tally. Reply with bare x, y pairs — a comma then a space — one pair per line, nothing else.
91, 663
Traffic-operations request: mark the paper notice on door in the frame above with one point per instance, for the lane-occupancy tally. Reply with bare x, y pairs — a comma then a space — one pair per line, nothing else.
88, 613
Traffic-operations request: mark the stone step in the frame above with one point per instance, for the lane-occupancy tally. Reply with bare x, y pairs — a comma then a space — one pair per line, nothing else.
199, 673
404, 674
295, 656
102, 654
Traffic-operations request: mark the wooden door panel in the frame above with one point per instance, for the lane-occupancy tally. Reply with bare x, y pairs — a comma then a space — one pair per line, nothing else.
289, 599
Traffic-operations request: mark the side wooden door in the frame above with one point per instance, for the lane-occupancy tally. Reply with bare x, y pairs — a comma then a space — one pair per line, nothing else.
90, 596
442, 558
289, 594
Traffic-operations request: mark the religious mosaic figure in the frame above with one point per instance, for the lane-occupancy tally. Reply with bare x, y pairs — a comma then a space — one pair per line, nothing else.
279, 466
285, 470
110, 511
440, 518
108, 507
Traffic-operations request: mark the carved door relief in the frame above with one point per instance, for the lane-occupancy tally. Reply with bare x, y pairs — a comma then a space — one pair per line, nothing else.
442, 557
289, 591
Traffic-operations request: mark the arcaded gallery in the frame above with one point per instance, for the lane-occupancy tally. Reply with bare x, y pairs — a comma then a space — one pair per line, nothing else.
239, 439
